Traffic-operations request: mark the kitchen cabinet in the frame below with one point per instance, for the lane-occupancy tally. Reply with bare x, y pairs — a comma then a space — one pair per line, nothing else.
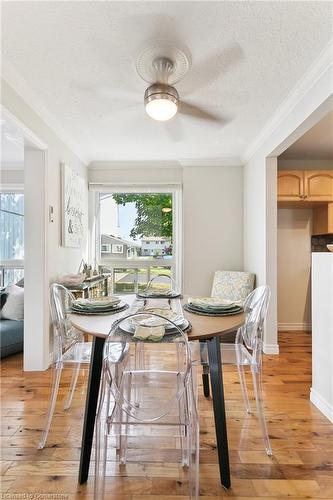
323, 219
290, 185
305, 185
318, 185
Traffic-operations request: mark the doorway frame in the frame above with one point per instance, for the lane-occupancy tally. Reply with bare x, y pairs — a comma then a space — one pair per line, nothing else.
271, 162
36, 315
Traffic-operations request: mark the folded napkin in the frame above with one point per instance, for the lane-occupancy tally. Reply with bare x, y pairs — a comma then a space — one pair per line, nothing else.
154, 333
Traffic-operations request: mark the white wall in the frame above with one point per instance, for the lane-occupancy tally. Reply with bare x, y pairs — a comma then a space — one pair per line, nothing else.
299, 164
106, 172
321, 394
212, 214
305, 106
58, 259
213, 222
294, 268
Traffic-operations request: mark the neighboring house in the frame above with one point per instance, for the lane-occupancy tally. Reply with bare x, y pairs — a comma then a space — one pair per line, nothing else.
154, 245
113, 248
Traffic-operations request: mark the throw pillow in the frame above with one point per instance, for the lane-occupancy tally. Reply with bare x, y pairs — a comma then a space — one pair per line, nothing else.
20, 283
14, 305
3, 298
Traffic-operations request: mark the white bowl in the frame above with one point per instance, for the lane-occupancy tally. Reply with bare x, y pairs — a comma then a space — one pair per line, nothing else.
330, 247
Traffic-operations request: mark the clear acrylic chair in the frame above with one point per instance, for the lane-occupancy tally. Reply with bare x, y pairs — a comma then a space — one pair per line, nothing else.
69, 348
167, 404
231, 285
247, 351
162, 283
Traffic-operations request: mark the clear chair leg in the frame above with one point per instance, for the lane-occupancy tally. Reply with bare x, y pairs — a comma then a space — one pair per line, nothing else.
75, 375
139, 365
183, 418
100, 457
124, 419
56, 376
193, 466
196, 460
257, 384
205, 368
101, 442
242, 379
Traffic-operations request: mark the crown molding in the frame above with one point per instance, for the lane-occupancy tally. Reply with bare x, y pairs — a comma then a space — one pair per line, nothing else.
304, 85
211, 162
21, 87
154, 164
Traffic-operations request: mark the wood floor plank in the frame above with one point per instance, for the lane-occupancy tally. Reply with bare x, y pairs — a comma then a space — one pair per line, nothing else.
302, 440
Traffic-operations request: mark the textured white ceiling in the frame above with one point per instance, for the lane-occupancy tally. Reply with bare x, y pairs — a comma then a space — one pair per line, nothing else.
79, 59
316, 144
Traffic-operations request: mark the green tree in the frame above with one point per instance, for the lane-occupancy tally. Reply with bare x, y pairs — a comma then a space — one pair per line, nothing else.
154, 213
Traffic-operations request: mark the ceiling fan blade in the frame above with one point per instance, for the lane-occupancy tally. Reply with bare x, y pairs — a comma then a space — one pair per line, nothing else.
106, 91
201, 114
110, 100
206, 72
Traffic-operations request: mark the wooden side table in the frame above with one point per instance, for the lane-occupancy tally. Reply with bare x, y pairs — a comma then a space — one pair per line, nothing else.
96, 286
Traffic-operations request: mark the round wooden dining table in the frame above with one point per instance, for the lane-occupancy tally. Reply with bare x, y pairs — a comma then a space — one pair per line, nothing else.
206, 329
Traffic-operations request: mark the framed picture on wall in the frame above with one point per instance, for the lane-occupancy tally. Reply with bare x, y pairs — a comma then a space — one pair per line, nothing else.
74, 207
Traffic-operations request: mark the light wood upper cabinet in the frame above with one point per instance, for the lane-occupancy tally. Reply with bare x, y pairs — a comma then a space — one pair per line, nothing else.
318, 185
323, 219
305, 185
290, 185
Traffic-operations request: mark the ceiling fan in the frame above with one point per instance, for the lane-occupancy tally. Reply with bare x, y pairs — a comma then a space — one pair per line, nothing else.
162, 66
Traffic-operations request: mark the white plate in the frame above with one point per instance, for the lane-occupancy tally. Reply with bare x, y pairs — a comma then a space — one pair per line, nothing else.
98, 302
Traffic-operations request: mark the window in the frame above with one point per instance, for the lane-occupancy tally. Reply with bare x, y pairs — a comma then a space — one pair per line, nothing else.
117, 248
105, 248
146, 224
12, 237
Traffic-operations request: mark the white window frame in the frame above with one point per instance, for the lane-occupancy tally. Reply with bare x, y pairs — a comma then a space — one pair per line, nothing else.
11, 263
177, 223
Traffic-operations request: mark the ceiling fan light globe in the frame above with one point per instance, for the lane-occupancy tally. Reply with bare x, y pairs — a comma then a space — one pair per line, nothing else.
161, 101
161, 109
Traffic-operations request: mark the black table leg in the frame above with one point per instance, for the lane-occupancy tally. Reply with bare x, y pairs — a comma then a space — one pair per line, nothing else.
216, 381
91, 407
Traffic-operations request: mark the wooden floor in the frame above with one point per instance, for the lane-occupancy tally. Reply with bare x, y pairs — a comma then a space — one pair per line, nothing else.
302, 440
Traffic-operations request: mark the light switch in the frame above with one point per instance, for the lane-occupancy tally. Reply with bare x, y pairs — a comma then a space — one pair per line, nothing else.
51, 214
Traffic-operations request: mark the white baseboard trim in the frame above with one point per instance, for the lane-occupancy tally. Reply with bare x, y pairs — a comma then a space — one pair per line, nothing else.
303, 327
271, 349
322, 405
